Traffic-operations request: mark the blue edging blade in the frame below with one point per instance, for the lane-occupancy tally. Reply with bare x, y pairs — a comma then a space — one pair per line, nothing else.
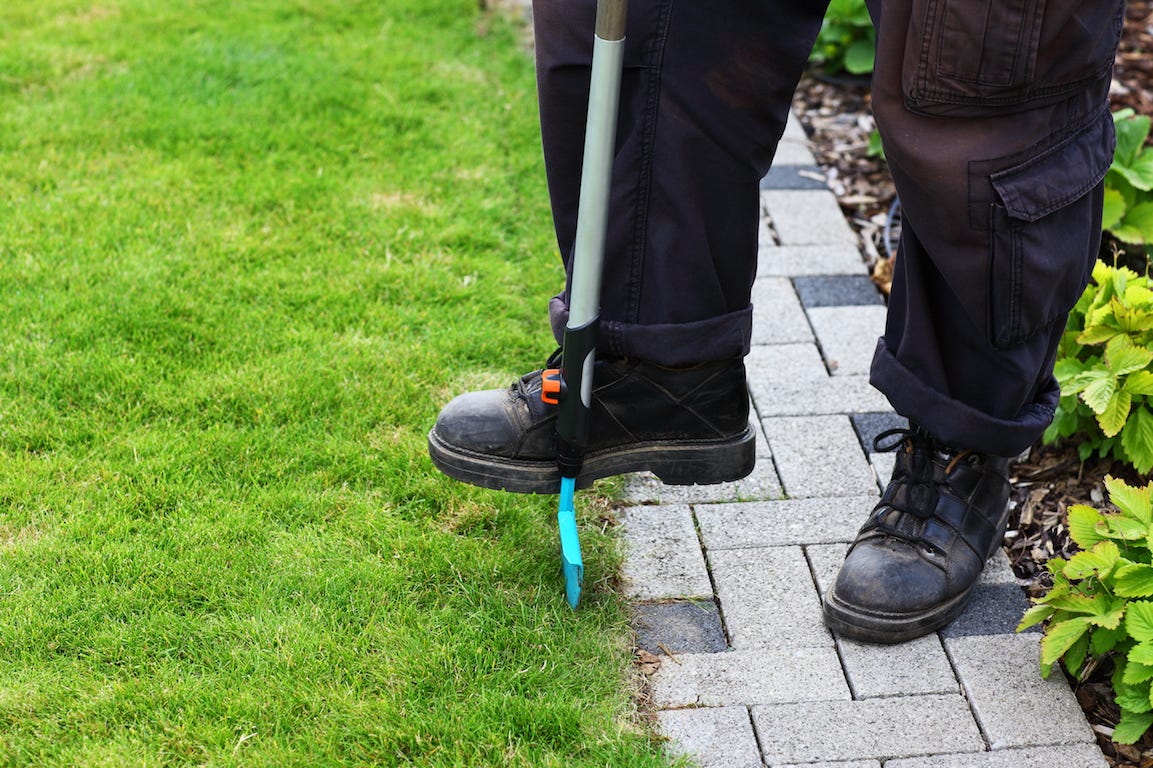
570, 544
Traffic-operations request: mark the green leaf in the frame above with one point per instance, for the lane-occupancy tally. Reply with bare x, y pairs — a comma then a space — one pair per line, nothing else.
1140, 172
1131, 132
1097, 333
1060, 637
1140, 383
1111, 619
1137, 439
1075, 656
1035, 615
1099, 391
1135, 501
1076, 383
1132, 726
1099, 561
1104, 640
1123, 357
1112, 419
859, 57
1142, 653
1077, 602
1124, 528
1134, 698
1135, 673
1067, 367
1139, 620
1114, 208
1135, 581
1083, 521
1137, 224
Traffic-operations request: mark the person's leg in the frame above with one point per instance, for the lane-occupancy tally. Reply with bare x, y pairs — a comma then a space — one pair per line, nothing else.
705, 96
995, 124
704, 99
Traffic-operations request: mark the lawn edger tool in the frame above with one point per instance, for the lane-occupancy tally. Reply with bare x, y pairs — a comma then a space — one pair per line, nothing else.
571, 386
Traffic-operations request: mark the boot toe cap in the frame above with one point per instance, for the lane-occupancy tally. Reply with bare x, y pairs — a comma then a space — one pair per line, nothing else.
889, 578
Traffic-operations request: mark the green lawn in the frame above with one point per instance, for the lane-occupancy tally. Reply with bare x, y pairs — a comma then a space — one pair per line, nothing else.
247, 250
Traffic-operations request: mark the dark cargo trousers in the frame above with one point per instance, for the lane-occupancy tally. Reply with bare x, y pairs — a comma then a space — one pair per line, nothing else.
994, 119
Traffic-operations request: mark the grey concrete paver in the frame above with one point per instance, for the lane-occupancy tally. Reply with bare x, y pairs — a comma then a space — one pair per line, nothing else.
791, 380
918, 666
807, 217
678, 626
767, 598
714, 737
819, 456
781, 523
778, 317
999, 672
825, 560
663, 557
748, 677
907, 726
1080, 756
794, 260
837, 291
848, 336
793, 148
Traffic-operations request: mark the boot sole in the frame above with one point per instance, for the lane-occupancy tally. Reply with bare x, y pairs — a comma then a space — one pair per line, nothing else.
890, 628
887, 629
675, 462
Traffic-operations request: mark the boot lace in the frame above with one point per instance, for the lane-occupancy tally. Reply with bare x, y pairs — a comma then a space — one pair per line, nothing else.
912, 494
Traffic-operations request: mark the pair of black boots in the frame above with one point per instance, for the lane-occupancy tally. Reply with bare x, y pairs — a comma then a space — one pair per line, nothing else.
910, 570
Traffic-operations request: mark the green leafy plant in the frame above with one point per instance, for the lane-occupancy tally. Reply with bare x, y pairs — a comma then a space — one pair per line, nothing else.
1099, 606
1105, 369
1128, 214
847, 41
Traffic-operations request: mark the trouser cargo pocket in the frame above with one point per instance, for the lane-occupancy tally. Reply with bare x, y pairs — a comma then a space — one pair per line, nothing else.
985, 57
1045, 230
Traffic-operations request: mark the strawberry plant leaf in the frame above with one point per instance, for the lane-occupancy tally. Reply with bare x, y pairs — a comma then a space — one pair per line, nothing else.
1132, 673
1139, 620
1060, 637
1135, 581
1140, 383
1099, 391
1114, 208
1135, 698
1132, 726
1142, 653
1083, 521
1135, 501
1112, 419
1035, 615
1122, 356
1137, 439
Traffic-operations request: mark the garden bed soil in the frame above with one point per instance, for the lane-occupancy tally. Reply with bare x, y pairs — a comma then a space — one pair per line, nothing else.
1049, 479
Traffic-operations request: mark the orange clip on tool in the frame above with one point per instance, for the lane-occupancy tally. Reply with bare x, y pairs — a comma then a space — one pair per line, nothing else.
551, 386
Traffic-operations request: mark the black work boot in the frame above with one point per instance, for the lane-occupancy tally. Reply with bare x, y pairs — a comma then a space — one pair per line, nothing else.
686, 425
916, 560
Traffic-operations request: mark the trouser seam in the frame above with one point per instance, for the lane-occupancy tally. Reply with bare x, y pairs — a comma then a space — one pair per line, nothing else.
645, 164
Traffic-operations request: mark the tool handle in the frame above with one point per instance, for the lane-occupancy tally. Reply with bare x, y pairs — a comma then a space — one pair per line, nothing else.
611, 15
580, 336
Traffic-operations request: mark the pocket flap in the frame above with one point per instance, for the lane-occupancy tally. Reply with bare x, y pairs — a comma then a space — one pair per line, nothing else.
1060, 175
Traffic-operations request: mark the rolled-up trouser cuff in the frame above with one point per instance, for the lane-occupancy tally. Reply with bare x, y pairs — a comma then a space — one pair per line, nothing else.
951, 421
727, 337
